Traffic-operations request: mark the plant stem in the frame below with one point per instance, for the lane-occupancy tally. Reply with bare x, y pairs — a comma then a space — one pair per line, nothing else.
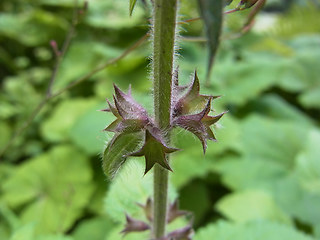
164, 24
160, 201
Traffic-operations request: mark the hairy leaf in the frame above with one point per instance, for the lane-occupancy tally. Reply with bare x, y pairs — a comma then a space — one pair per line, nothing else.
117, 151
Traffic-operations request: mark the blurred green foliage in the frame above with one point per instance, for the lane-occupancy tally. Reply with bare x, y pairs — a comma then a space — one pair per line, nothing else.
261, 180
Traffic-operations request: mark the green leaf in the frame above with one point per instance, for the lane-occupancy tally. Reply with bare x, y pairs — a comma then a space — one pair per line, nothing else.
93, 229
72, 69
56, 128
42, 26
277, 179
275, 107
317, 231
235, 83
60, 3
5, 133
261, 230
86, 131
212, 14
271, 168
292, 23
195, 198
258, 174
129, 188
53, 186
79, 121
190, 163
132, 4
9, 218
54, 237
251, 205
299, 73
118, 150
24, 233
18, 86
308, 163
311, 98
4, 231
113, 14
271, 135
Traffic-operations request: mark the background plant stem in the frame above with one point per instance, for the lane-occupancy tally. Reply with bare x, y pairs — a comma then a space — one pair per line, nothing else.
164, 24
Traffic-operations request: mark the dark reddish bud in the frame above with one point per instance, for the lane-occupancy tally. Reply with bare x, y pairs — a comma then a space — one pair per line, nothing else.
127, 106
191, 101
174, 212
147, 208
185, 233
134, 225
131, 117
55, 48
189, 110
199, 124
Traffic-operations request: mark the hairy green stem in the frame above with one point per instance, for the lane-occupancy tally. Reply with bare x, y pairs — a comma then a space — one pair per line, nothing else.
164, 24
160, 201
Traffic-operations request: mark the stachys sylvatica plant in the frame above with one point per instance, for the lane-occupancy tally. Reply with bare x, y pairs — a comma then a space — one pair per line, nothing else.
143, 134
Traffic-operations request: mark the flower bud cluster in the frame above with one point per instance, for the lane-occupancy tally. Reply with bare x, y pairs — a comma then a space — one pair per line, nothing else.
189, 110
135, 225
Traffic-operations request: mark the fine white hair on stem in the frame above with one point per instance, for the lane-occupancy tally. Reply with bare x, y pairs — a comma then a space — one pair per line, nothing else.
176, 54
